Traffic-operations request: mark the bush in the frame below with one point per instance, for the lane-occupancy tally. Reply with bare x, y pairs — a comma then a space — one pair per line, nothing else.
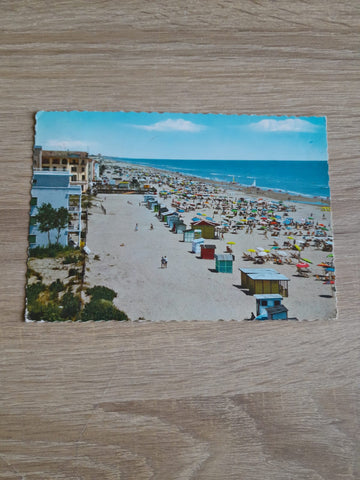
33, 291
51, 251
56, 286
71, 259
99, 292
71, 306
73, 272
101, 309
49, 312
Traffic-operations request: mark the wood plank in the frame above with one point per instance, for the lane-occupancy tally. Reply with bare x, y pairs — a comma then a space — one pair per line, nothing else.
179, 400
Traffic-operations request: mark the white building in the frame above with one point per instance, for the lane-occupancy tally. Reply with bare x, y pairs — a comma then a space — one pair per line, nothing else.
54, 187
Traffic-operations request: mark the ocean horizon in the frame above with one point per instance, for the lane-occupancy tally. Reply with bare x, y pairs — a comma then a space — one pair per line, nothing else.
297, 177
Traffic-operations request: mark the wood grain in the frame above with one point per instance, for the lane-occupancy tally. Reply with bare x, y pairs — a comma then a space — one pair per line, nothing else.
180, 400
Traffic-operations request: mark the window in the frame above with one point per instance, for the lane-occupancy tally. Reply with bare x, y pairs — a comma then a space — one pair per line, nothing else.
277, 303
73, 169
264, 303
83, 177
64, 169
32, 238
73, 178
33, 201
64, 161
32, 221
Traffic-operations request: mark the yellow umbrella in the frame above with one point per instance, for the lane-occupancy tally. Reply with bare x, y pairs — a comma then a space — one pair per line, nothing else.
251, 250
267, 251
231, 243
243, 220
290, 238
297, 247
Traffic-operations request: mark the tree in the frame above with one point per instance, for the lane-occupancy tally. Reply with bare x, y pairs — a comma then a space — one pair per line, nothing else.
50, 218
61, 220
45, 218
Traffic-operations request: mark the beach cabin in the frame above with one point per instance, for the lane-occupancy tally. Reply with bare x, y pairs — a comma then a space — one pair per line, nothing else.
172, 218
208, 252
207, 227
179, 227
264, 281
188, 235
196, 245
269, 307
224, 263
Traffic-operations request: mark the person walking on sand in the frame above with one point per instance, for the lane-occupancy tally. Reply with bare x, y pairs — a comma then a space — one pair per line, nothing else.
165, 262
151, 226
136, 227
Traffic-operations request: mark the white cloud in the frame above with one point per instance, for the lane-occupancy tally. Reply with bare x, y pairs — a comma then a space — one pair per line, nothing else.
170, 125
287, 125
69, 144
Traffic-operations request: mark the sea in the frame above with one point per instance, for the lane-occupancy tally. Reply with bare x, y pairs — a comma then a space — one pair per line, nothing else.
306, 178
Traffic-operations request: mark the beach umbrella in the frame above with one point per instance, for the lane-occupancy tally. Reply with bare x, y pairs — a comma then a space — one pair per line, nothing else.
329, 282
330, 255
209, 218
254, 210
302, 265
306, 260
195, 219
290, 238
330, 269
230, 243
267, 251
321, 225
251, 250
322, 265
297, 247
262, 254
275, 248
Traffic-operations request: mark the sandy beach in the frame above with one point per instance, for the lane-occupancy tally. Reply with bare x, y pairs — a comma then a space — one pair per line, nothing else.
127, 258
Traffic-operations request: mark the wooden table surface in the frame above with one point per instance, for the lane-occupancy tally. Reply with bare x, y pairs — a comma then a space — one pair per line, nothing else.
180, 400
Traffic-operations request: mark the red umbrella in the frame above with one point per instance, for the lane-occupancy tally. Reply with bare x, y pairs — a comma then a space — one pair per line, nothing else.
321, 225
302, 265
322, 265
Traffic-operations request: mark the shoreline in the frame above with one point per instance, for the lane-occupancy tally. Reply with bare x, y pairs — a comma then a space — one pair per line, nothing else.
128, 242
229, 186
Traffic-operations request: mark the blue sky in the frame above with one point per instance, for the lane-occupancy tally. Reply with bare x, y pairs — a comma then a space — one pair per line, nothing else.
184, 136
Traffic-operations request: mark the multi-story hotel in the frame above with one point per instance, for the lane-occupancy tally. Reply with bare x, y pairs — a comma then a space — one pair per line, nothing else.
82, 168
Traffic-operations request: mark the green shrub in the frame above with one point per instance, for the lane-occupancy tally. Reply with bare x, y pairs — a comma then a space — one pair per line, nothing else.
71, 259
99, 291
56, 286
71, 306
33, 291
51, 251
49, 312
101, 309
73, 272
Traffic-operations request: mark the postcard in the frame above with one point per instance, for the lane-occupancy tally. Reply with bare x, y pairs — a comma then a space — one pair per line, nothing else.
178, 216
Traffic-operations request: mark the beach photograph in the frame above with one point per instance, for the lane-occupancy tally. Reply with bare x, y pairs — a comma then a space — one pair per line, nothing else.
148, 217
